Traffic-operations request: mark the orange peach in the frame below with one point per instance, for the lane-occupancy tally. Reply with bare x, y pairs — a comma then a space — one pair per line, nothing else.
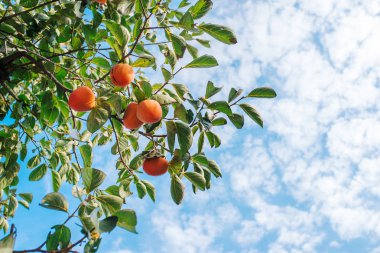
82, 99
155, 166
122, 74
130, 119
149, 111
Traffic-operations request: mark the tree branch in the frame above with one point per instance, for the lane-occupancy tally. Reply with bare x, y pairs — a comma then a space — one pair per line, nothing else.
133, 45
168, 80
5, 18
119, 149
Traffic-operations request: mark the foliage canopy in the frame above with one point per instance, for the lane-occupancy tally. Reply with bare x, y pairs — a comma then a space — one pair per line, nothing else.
50, 48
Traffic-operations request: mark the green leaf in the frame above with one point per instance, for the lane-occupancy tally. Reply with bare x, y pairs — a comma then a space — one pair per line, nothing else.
23, 152
200, 159
211, 90
12, 205
196, 179
7, 28
56, 179
127, 219
205, 61
237, 120
141, 189
221, 106
111, 203
166, 73
201, 142
201, 8
64, 108
177, 189
213, 139
28, 197
86, 152
23, 203
187, 21
234, 94
214, 168
34, 161
97, 118
28, 3
252, 113
183, 3
163, 99
141, 5
193, 51
108, 224
180, 112
180, 89
55, 201
205, 43
118, 31
219, 32
150, 190
185, 136
101, 62
92, 178
60, 239
171, 132
219, 122
179, 45
7, 243
38, 173
144, 61
262, 92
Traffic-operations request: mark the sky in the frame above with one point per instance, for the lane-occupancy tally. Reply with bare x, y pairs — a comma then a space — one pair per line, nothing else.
309, 181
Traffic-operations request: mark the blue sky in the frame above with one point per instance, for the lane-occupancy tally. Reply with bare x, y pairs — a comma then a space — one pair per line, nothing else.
309, 181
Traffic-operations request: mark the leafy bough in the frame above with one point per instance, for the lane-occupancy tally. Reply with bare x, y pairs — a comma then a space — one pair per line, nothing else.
48, 49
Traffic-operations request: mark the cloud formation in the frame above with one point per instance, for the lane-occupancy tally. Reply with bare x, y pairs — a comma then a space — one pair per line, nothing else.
310, 181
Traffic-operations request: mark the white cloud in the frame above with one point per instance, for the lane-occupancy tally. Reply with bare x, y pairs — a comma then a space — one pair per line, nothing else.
317, 167
190, 233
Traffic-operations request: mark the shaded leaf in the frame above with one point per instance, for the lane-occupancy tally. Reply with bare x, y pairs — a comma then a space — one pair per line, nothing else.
177, 189
211, 90
221, 106
185, 136
262, 92
127, 219
252, 113
97, 118
237, 120
108, 224
219, 32
234, 94
205, 61
92, 178
201, 8
196, 179
55, 201
214, 168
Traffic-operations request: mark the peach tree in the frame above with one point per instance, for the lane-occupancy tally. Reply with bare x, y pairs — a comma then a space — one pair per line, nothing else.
74, 75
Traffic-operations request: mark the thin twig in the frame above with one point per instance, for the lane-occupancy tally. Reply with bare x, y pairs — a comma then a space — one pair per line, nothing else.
133, 45
119, 149
168, 80
26, 11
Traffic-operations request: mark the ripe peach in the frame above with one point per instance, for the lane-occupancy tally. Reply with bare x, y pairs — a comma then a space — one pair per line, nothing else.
130, 119
149, 111
82, 99
155, 166
122, 74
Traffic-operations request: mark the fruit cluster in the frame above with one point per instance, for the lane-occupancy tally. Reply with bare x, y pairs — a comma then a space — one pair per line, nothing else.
136, 114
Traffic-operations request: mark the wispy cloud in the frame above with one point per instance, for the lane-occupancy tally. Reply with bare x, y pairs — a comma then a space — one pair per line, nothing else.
310, 181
